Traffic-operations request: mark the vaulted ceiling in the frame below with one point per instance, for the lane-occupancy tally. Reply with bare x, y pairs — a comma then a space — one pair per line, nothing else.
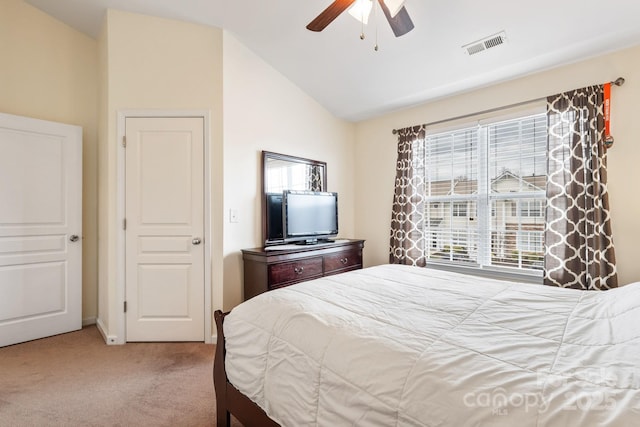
355, 82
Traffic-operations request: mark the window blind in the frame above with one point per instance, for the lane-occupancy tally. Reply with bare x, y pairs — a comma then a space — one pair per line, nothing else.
484, 192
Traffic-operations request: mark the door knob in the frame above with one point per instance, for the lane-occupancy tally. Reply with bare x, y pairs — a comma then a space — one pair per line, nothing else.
74, 238
196, 241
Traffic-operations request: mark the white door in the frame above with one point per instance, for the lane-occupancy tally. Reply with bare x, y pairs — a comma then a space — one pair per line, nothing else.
40, 228
164, 229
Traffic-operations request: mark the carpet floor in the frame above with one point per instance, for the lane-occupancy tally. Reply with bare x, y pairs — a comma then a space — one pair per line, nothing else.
75, 379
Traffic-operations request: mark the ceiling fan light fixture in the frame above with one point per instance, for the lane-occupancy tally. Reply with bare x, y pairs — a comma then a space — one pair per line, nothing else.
400, 24
394, 6
361, 10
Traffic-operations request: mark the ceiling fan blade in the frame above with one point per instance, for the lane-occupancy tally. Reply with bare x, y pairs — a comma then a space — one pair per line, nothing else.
329, 14
401, 24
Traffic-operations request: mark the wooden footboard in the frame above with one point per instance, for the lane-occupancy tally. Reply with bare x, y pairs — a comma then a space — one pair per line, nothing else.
228, 399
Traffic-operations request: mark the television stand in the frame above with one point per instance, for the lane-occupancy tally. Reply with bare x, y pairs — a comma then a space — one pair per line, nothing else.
267, 269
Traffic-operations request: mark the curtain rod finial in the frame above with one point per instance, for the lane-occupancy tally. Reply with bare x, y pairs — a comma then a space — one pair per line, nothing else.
394, 131
619, 81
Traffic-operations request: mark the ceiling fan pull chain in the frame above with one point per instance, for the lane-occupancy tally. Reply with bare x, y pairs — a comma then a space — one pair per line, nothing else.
375, 22
362, 27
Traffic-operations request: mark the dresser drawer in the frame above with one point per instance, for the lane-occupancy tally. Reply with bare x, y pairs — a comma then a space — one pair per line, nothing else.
267, 269
345, 260
286, 272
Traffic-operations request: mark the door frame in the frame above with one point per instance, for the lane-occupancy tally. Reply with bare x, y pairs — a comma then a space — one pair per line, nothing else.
122, 116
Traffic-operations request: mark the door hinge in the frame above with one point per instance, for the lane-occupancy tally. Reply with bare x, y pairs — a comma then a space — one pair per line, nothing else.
125, 306
124, 142
124, 224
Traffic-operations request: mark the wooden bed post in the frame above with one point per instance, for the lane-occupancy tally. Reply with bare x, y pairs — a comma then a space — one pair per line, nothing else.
220, 375
228, 399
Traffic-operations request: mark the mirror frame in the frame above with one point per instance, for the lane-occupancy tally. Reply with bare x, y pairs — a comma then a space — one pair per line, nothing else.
266, 155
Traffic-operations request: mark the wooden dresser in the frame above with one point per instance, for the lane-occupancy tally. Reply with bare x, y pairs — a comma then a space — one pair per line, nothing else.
265, 270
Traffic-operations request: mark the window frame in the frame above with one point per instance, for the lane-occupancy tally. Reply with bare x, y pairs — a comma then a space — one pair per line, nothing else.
537, 207
460, 209
485, 207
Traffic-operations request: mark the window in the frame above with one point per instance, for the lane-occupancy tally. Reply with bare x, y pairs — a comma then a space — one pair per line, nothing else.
530, 241
292, 177
460, 209
531, 208
485, 194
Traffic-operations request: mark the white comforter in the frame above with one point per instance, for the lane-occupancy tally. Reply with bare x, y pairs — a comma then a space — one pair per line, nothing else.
406, 346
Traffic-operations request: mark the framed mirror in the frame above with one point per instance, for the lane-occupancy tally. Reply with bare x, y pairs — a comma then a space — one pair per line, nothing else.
282, 172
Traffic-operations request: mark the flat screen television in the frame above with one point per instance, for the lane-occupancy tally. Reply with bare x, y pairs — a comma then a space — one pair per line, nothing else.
309, 217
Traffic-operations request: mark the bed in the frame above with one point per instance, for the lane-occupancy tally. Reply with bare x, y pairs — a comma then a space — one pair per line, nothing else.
406, 346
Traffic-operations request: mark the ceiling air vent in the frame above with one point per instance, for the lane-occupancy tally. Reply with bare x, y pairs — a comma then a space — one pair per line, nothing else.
485, 43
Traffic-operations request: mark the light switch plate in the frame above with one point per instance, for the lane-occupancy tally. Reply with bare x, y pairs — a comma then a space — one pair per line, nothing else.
233, 215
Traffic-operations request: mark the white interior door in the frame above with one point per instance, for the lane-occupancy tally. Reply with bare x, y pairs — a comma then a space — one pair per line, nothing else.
164, 229
40, 228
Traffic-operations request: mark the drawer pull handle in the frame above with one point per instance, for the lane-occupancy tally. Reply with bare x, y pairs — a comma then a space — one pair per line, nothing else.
298, 270
344, 260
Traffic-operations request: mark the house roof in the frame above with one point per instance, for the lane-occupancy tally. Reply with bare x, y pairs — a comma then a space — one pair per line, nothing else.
462, 185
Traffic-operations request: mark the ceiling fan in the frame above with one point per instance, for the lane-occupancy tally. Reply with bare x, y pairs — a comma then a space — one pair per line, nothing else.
393, 10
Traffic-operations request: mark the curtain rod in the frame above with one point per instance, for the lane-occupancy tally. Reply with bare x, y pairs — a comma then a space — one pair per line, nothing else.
617, 82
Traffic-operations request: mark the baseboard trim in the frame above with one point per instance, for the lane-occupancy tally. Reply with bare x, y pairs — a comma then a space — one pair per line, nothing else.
109, 339
113, 339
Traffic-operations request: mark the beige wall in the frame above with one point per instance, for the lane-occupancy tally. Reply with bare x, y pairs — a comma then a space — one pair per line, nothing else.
150, 63
49, 72
265, 111
376, 147
153, 63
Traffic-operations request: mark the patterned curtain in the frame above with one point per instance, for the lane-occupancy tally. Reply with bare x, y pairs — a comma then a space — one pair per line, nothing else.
579, 250
314, 177
407, 243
